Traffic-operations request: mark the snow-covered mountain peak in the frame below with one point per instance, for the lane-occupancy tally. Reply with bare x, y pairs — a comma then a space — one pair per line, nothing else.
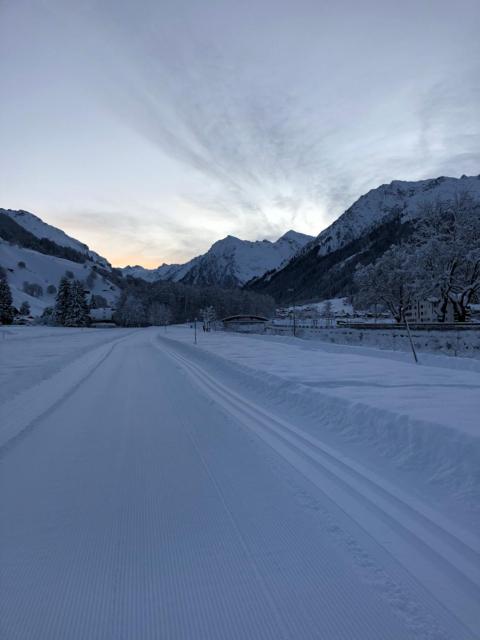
295, 236
325, 267
229, 262
233, 262
228, 243
398, 197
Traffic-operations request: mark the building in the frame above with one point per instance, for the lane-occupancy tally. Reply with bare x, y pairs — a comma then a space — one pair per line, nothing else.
245, 324
428, 311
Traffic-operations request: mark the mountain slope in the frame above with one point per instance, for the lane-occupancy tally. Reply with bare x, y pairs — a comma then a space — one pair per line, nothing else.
41, 230
25, 265
229, 262
384, 216
35, 256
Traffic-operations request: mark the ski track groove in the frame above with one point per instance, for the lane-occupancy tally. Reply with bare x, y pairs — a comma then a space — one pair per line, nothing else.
450, 546
240, 535
142, 525
30, 425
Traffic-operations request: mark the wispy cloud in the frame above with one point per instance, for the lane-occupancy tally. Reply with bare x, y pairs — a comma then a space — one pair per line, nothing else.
264, 116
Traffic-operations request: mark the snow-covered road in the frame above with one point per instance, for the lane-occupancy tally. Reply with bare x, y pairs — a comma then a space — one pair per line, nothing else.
150, 493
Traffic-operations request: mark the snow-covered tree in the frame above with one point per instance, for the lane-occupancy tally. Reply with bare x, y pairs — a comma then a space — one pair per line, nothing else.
447, 257
77, 312
327, 311
441, 261
25, 308
6, 307
159, 314
62, 301
388, 281
130, 311
208, 315
48, 316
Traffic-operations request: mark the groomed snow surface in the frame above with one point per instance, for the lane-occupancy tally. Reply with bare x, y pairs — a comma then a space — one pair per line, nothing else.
246, 487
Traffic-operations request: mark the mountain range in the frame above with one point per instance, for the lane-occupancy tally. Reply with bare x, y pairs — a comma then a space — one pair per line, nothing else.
294, 267
229, 262
382, 217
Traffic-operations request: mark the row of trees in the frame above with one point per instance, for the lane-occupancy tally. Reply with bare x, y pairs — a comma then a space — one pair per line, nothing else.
133, 312
160, 303
441, 261
142, 303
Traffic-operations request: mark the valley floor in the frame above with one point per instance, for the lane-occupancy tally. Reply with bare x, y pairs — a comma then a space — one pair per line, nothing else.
244, 487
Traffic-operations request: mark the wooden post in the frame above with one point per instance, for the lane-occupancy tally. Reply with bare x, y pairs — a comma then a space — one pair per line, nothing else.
411, 341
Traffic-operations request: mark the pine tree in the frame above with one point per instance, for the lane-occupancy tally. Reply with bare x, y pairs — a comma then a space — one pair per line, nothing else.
25, 308
62, 301
6, 308
77, 314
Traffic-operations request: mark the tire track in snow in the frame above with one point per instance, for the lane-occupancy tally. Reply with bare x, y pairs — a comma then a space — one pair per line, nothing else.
441, 557
21, 414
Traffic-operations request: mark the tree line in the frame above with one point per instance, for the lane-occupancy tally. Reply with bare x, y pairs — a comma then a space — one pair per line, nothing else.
142, 303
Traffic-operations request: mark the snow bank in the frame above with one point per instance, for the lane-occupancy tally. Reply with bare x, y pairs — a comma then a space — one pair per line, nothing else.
423, 419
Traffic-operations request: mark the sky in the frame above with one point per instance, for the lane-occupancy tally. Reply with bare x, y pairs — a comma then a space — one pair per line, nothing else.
151, 128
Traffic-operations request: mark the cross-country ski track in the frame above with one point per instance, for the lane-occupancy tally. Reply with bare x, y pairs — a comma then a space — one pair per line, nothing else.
149, 498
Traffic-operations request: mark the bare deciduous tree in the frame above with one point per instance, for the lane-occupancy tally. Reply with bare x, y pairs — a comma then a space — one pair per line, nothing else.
388, 281
447, 256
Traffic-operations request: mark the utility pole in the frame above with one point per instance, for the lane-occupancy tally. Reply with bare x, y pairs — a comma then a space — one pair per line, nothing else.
195, 325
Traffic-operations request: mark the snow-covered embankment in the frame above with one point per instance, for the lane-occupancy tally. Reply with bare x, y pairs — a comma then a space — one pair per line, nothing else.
420, 419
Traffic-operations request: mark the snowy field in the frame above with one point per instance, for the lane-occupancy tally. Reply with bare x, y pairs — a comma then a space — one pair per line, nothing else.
455, 343
247, 487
